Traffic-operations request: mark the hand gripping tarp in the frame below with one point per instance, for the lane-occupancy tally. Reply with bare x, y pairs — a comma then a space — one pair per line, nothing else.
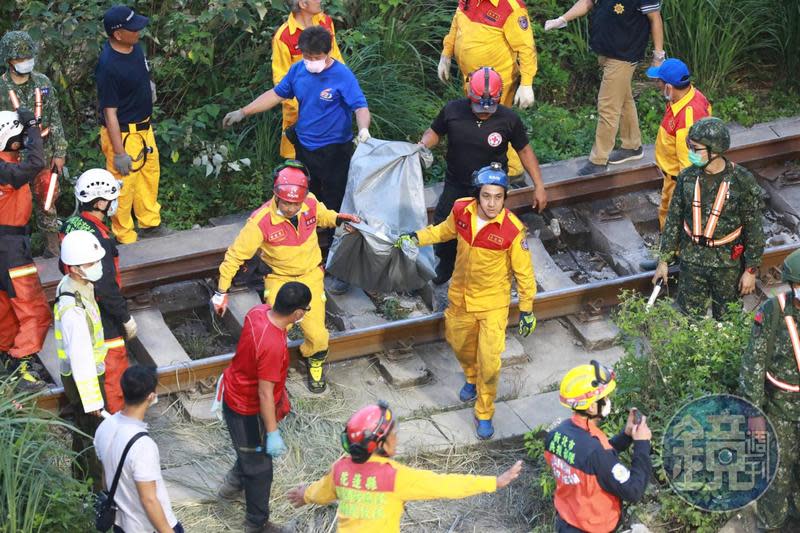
384, 188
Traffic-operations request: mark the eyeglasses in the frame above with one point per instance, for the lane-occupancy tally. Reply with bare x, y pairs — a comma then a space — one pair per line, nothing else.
693, 148
603, 375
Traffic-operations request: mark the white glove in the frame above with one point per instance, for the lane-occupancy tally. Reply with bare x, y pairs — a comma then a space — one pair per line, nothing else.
555, 24
130, 328
153, 91
363, 135
524, 97
219, 302
444, 68
234, 117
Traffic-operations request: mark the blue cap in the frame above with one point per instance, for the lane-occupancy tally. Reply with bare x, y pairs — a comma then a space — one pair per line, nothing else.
672, 71
492, 174
123, 18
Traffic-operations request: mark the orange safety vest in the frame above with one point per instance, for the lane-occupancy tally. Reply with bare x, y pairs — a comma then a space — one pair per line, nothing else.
704, 237
15, 204
37, 107
791, 325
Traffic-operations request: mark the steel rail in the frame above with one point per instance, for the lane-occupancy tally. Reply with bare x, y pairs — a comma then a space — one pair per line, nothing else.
364, 341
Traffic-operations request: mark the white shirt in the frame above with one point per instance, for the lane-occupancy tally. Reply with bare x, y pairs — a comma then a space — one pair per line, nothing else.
142, 464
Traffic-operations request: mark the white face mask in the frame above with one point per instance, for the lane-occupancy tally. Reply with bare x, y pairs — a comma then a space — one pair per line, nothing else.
93, 273
796, 291
112, 208
606, 410
25, 67
155, 400
316, 66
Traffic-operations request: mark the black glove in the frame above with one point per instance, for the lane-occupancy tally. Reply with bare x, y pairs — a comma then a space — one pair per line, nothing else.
26, 118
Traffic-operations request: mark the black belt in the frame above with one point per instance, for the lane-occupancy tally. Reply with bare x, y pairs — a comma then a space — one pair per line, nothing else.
14, 230
140, 126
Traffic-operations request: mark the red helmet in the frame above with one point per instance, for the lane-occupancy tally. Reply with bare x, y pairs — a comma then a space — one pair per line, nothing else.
290, 181
485, 89
366, 430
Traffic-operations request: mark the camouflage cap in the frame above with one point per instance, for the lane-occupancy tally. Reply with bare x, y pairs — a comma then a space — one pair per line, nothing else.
791, 268
16, 45
712, 133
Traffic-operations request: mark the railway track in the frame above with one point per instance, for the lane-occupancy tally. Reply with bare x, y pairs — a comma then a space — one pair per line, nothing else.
197, 254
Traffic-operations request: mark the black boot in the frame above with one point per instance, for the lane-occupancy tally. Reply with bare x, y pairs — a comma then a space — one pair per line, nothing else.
28, 379
315, 372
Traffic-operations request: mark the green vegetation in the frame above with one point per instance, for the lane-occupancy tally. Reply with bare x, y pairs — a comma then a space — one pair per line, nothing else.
38, 492
669, 359
208, 58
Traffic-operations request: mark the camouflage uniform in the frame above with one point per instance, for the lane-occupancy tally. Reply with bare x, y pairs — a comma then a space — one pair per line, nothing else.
707, 271
16, 45
770, 349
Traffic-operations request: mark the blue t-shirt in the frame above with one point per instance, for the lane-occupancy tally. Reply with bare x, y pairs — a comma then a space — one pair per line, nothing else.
123, 82
326, 103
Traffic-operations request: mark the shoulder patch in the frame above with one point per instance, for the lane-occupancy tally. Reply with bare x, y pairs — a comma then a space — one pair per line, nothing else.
523, 22
45, 91
524, 243
620, 472
759, 318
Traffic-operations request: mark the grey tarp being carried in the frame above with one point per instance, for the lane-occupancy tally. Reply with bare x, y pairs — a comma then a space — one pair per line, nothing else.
384, 188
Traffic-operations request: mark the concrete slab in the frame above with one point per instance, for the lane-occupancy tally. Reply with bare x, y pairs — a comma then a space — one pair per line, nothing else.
155, 344
403, 369
198, 407
744, 521
240, 302
539, 409
180, 296
514, 354
235, 218
618, 242
420, 435
785, 127
548, 274
193, 483
594, 334
574, 230
459, 426
49, 357
353, 309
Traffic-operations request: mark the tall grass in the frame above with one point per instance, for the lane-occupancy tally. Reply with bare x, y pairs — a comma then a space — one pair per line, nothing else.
718, 39
37, 492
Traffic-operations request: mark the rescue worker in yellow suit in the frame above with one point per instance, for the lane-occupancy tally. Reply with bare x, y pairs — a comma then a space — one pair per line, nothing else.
284, 231
491, 248
285, 53
498, 34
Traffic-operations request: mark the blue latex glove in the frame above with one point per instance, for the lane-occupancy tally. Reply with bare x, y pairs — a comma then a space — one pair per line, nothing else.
275, 445
527, 323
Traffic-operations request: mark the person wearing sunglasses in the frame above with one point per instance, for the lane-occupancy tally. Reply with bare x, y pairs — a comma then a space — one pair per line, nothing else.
591, 482
372, 488
714, 225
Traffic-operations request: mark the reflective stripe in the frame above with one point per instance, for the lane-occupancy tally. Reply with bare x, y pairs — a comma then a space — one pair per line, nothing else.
712, 243
18, 272
99, 347
115, 343
14, 100
37, 107
705, 236
791, 326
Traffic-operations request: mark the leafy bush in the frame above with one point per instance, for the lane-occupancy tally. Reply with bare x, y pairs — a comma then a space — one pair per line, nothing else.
38, 492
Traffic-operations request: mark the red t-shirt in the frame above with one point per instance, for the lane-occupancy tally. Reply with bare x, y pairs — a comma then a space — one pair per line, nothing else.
262, 353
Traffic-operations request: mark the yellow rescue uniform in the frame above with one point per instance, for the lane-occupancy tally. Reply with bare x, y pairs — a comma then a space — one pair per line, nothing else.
292, 252
480, 291
372, 495
672, 153
497, 34
285, 53
140, 187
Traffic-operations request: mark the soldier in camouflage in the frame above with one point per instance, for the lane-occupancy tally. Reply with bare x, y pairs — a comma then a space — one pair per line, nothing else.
21, 86
714, 225
770, 378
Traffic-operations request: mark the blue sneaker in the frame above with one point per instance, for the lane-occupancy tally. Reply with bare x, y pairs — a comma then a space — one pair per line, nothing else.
468, 392
484, 429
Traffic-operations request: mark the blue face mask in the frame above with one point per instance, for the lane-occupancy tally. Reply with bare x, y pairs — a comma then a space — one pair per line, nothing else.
696, 159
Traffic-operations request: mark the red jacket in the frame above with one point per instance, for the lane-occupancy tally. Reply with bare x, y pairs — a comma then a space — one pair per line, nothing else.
16, 175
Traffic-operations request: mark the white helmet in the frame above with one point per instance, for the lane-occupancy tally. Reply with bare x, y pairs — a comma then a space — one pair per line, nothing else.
10, 126
96, 183
80, 247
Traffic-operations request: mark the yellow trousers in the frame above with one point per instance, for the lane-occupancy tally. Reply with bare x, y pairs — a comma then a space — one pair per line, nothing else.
478, 339
315, 334
289, 119
666, 197
510, 84
139, 192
